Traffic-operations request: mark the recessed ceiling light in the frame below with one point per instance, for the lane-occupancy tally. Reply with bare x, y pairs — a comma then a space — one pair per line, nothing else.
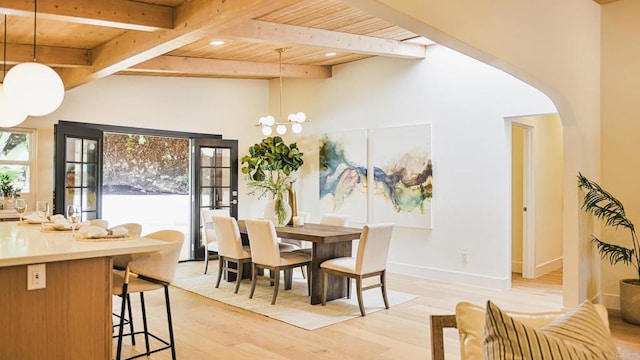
330, 54
217, 42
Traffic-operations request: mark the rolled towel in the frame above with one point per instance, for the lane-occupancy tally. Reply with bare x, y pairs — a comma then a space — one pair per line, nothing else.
119, 231
61, 224
56, 217
92, 231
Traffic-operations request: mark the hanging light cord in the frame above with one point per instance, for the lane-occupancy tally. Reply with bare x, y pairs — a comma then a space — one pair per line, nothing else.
4, 49
280, 113
35, 15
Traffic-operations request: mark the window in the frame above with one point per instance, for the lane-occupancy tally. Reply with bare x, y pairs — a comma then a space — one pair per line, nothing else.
16, 158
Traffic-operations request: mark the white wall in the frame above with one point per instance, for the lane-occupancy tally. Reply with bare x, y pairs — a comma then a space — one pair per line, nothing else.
467, 102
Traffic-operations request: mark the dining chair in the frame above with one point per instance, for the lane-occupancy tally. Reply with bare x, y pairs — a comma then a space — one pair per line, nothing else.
327, 219
230, 248
211, 246
120, 261
266, 254
99, 222
153, 271
298, 243
370, 260
334, 219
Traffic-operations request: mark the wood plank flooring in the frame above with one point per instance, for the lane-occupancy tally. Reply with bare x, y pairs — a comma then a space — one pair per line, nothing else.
206, 329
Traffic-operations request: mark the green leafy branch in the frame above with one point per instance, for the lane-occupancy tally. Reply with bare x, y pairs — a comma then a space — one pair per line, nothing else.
605, 207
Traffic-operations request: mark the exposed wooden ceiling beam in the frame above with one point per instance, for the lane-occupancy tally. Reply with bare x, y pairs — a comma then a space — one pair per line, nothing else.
52, 56
193, 21
262, 31
228, 68
131, 15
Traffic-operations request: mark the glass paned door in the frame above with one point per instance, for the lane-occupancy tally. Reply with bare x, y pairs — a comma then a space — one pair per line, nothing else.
78, 170
216, 182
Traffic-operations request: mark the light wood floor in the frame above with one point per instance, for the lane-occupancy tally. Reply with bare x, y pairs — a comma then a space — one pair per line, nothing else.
206, 329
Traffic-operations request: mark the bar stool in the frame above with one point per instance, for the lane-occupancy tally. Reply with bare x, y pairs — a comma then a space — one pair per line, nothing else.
150, 272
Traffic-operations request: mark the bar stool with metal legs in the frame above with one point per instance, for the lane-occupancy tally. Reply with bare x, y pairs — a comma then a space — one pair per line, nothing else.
147, 273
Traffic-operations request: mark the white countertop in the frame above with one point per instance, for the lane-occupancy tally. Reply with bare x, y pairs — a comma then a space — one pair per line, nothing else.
22, 244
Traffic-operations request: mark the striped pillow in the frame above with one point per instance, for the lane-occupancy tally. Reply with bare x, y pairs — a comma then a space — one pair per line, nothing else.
580, 334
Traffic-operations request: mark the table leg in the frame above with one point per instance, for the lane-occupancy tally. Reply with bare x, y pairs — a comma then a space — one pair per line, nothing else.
336, 286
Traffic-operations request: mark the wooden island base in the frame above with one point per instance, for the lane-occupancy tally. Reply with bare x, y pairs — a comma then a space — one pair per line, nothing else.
61, 321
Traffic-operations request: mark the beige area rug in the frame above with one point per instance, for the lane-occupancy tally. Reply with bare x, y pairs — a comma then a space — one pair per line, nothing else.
292, 306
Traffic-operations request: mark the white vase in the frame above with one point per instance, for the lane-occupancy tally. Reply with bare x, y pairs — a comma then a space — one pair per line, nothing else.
271, 214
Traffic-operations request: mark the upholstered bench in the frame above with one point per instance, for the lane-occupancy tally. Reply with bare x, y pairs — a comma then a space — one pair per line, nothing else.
469, 319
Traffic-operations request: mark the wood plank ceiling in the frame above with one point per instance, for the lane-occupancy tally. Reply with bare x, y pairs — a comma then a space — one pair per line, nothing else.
85, 40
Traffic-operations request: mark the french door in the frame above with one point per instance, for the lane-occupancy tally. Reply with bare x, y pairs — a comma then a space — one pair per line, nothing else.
215, 181
78, 170
79, 165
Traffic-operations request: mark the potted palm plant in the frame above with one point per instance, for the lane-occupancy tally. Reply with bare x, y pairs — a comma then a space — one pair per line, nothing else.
607, 208
268, 167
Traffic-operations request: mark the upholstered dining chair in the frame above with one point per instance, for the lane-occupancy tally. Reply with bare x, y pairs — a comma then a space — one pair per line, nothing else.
298, 243
153, 271
334, 219
327, 219
211, 246
266, 254
134, 230
230, 248
370, 260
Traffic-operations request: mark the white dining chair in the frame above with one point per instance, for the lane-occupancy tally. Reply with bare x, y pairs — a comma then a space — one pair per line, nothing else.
230, 248
370, 260
298, 243
266, 254
153, 271
209, 233
327, 219
334, 219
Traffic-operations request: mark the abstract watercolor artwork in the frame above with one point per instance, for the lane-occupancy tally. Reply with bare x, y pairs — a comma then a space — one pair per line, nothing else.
343, 174
402, 184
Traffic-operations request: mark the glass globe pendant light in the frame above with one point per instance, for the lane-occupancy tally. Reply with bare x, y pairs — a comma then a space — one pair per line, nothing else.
10, 114
34, 87
295, 120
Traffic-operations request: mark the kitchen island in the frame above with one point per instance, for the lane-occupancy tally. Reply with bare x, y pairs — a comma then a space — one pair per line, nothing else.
70, 318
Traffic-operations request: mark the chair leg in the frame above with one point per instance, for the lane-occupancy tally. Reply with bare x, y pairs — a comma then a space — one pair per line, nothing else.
144, 322
276, 286
308, 279
348, 280
383, 282
304, 275
133, 337
123, 306
359, 290
254, 279
206, 260
324, 287
220, 266
168, 305
238, 276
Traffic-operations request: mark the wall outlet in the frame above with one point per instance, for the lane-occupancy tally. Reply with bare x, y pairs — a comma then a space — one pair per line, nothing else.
36, 276
465, 256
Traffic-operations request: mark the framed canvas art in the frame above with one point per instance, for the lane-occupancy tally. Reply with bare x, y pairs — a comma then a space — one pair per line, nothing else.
402, 175
343, 174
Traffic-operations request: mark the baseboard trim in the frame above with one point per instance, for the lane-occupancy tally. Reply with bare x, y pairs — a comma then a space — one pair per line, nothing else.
448, 276
610, 301
547, 267
516, 267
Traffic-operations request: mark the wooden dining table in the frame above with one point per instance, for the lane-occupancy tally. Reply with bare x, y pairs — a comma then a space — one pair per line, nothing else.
328, 242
